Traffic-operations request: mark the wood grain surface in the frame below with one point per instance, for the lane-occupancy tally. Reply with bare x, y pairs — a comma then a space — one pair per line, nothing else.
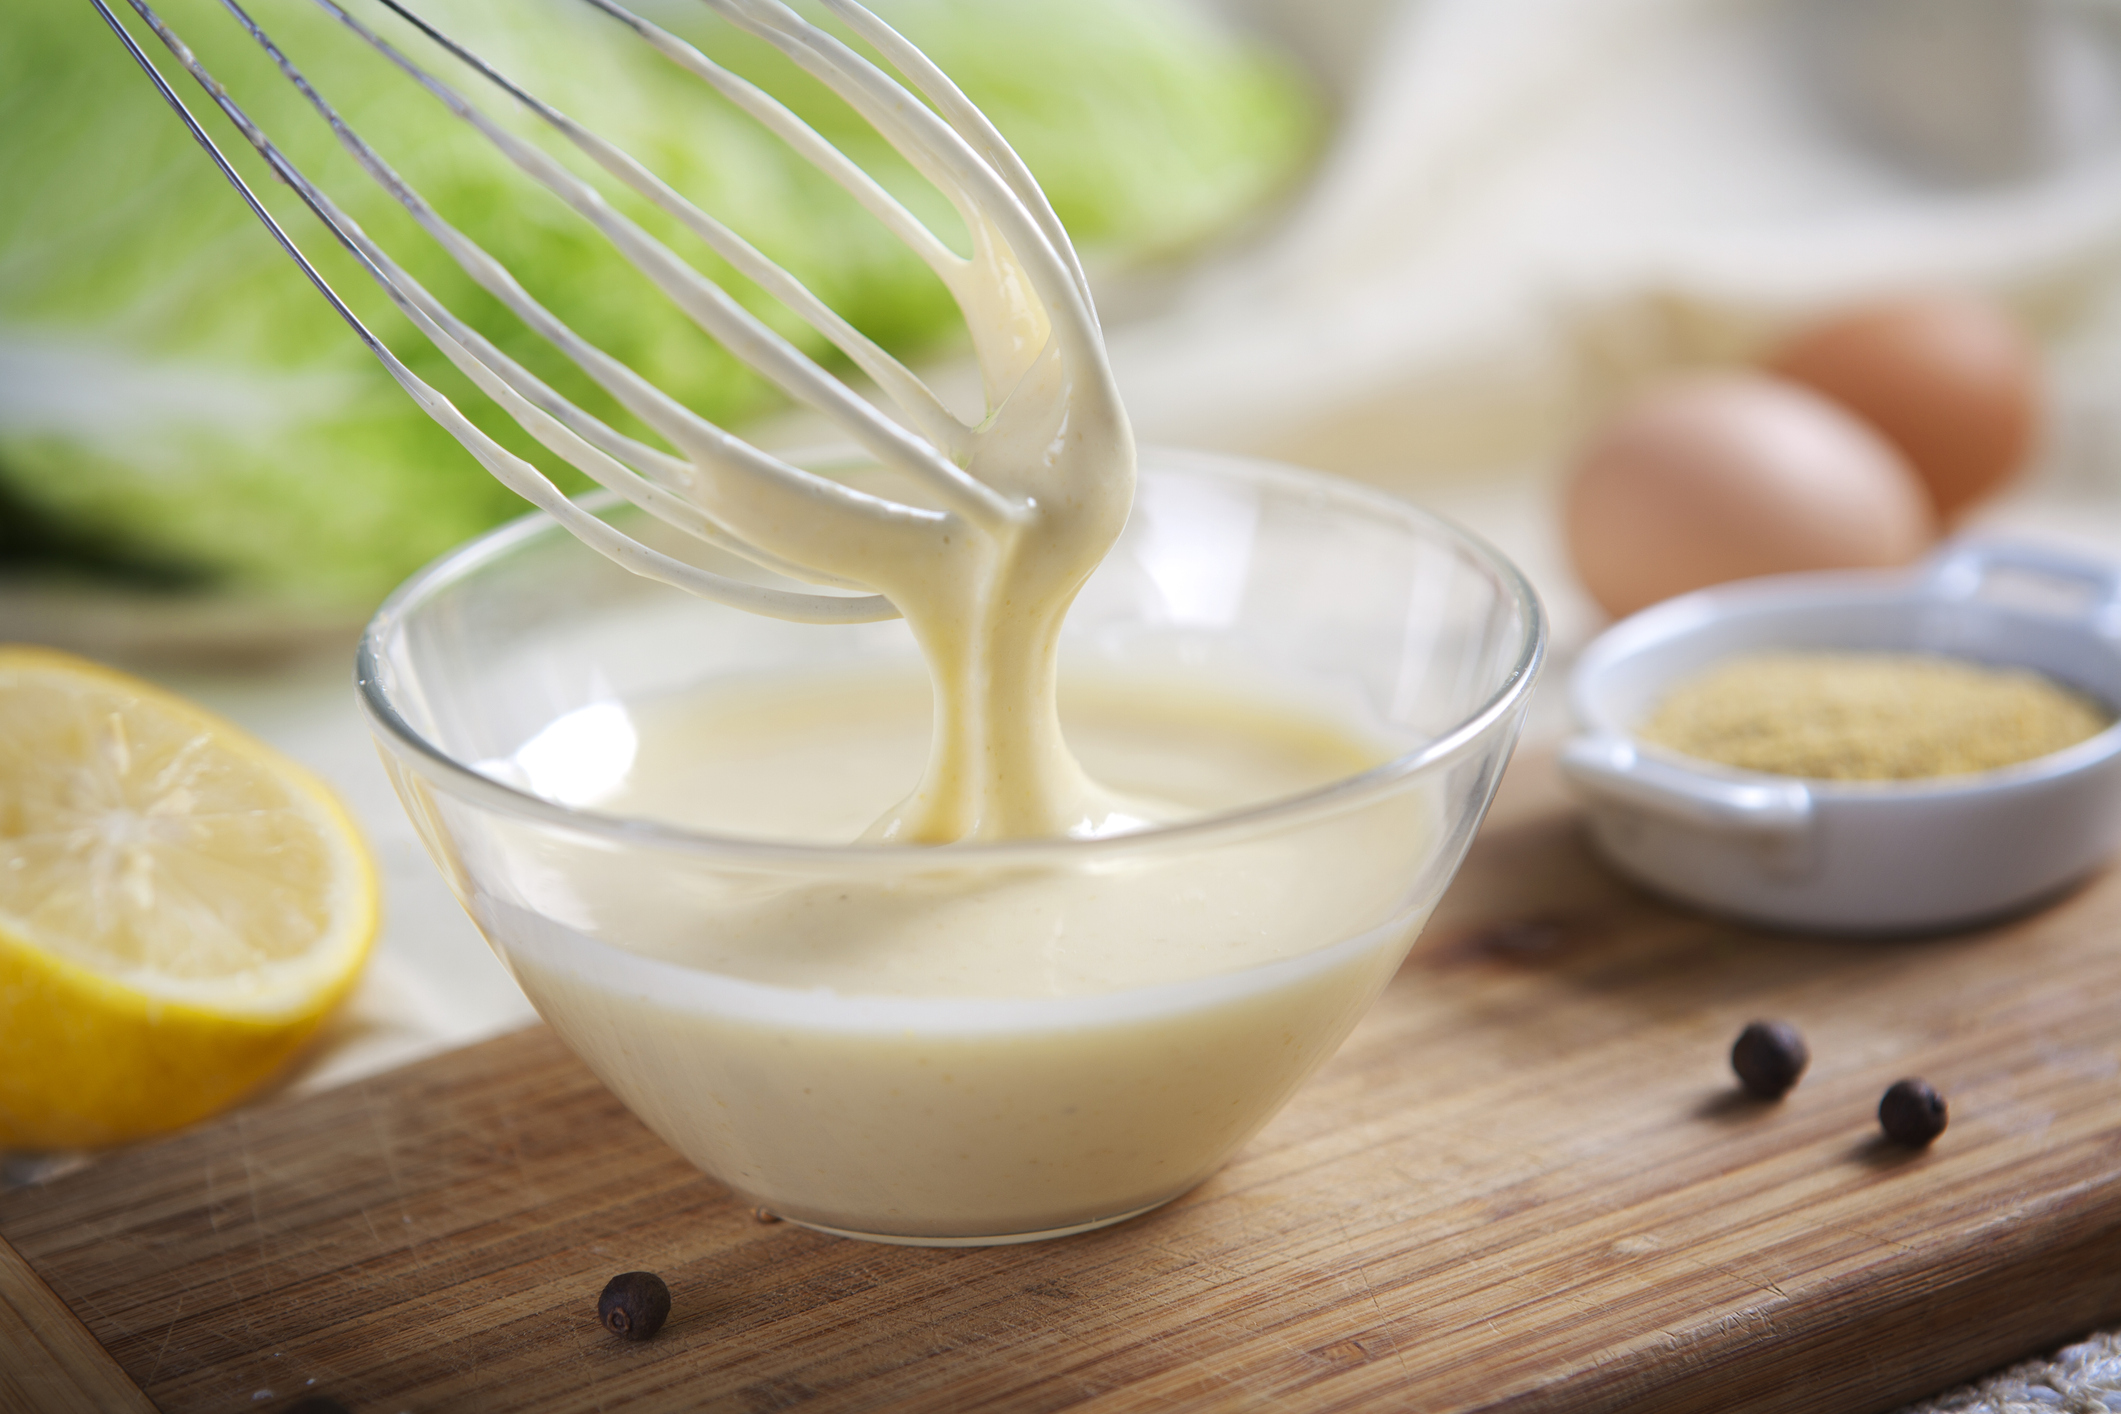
49, 1363
1526, 1183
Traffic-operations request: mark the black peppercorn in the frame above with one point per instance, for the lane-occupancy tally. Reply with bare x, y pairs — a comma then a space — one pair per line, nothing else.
634, 1305
1769, 1056
1912, 1113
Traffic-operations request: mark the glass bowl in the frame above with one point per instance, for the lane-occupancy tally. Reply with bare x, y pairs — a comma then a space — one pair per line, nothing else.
974, 1113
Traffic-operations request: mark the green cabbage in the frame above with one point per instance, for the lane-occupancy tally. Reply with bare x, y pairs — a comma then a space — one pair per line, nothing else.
174, 397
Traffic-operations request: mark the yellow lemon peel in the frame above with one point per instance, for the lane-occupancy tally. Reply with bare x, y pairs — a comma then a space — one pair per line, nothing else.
180, 906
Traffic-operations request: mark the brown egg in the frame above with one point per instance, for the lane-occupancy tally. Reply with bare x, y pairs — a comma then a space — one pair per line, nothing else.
1722, 476
1949, 379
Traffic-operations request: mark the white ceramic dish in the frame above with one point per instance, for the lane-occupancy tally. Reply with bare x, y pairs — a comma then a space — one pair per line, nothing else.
1866, 857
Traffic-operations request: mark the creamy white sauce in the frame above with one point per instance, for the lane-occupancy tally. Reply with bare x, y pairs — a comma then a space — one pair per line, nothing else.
986, 606
940, 1044
811, 760
950, 1045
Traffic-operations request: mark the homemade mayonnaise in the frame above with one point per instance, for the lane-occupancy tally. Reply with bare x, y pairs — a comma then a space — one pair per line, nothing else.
978, 1040
968, 1047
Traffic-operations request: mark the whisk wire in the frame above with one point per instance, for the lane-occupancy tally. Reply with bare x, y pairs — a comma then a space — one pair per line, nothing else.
717, 487
936, 149
907, 391
962, 114
787, 487
518, 475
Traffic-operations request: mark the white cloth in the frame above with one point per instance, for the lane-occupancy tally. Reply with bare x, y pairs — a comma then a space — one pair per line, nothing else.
1536, 205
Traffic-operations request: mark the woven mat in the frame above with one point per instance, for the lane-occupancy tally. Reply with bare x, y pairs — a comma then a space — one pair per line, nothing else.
2080, 1379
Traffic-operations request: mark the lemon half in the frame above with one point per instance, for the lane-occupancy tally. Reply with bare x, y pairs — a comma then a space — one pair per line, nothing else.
180, 906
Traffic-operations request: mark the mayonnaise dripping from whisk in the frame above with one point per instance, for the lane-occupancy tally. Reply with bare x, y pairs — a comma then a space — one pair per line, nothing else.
991, 530
986, 604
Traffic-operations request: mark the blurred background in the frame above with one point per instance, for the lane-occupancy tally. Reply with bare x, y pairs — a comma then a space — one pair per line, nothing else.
1447, 246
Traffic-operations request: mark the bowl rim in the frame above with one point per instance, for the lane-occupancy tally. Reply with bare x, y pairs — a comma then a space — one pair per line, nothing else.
1706, 613
1333, 798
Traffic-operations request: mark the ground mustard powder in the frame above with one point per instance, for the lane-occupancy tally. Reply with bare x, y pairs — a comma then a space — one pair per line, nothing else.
1870, 716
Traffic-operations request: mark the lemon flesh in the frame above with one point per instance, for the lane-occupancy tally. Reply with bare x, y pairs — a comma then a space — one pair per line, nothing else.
180, 906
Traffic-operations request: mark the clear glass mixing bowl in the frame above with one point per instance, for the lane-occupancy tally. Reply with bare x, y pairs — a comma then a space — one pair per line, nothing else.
948, 1119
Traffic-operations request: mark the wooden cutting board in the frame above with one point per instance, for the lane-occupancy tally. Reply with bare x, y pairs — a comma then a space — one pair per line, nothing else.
1526, 1183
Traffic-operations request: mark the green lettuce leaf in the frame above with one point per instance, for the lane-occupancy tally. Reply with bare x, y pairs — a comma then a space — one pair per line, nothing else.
174, 394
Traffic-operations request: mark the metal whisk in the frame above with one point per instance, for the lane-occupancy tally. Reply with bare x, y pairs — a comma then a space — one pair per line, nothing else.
717, 487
